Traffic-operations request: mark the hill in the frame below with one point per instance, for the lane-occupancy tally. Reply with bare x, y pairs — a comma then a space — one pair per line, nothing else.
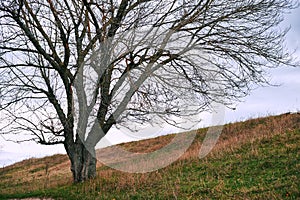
254, 159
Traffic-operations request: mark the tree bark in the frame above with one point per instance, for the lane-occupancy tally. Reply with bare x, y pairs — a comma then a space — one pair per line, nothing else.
83, 162
89, 163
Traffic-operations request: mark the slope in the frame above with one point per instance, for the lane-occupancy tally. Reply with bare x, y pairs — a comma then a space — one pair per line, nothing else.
255, 159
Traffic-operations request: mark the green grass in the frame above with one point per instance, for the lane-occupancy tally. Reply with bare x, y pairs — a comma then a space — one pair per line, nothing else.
263, 164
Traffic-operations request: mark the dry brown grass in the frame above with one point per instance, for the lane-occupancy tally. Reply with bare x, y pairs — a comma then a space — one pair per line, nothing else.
235, 135
149, 145
36, 173
53, 171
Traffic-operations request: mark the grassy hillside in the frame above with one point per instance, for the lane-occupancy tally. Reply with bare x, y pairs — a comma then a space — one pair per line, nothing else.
255, 159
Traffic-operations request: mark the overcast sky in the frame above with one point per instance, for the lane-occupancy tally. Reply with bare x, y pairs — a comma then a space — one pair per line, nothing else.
261, 102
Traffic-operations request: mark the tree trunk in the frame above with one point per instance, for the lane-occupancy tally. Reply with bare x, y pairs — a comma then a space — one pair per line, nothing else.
83, 162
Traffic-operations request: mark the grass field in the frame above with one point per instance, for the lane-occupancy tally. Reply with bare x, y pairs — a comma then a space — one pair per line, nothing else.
255, 159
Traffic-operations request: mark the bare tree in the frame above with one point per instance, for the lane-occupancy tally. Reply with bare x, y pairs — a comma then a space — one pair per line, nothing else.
70, 70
